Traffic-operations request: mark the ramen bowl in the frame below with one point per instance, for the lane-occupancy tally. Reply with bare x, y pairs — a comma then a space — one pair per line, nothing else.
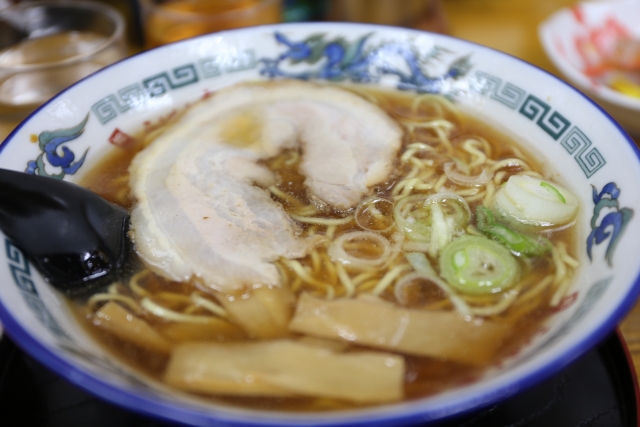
583, 41
582, 145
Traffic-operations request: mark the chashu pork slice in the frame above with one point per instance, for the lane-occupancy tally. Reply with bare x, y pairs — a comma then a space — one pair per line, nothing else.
202, 209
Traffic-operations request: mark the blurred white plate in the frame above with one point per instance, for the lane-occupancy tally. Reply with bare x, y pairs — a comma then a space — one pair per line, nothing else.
579, 37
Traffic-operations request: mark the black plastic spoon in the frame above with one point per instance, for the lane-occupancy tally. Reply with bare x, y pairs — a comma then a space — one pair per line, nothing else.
74, 237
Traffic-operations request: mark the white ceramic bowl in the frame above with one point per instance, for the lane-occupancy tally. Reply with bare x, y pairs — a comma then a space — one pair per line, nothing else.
568, 131
577, 37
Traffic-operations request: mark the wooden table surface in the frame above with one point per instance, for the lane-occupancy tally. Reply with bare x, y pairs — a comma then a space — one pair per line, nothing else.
511, 26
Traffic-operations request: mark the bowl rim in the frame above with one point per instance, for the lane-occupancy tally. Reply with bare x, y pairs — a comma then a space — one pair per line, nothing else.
375, 416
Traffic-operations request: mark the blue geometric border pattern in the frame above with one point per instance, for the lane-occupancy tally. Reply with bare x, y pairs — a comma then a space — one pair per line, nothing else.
507, 93
216, 65
108, 108
21, 273
162, 83
552, 122
589, 159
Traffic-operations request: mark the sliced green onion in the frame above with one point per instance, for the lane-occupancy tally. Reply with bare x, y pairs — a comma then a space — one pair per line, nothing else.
553, 190
338, 253
478, 265
433, 219
374, 214
440, 230
420, 264
464, 179
518, 243
407, 214
484, 217
424, 269
526, 201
